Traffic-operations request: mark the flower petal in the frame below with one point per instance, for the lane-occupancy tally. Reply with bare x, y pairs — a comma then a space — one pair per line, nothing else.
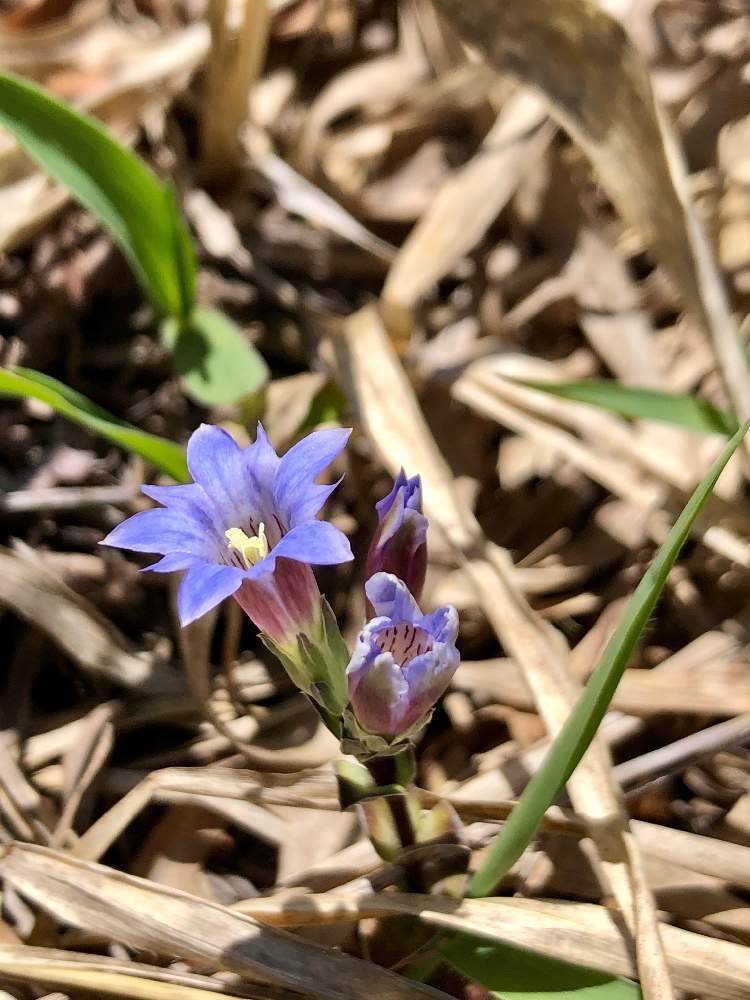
317, 543
384, 505
261, 460
390, 597
164, 531
365, 652
284, 603
295, 493
260, 464
203, 587
442, 624
170, 563
376, 688
404, 502
428, 677
188, 499
218, 464
185, 496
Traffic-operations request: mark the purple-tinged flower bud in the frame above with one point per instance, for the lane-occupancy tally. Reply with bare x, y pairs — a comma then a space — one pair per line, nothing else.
400, 543
402, 663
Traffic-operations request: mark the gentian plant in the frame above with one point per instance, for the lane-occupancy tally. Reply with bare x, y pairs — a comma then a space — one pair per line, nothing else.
247, 527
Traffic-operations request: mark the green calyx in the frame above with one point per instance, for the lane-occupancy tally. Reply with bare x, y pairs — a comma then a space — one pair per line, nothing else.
316, 664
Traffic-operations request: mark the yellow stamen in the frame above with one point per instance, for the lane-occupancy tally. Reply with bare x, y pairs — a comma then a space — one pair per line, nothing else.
252, 550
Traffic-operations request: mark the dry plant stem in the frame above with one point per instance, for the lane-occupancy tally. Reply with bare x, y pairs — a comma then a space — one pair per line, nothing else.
599, 90
148, 916
575, 932
100, 976
392, 820
465, 207
389, 819
716, 858
690, 749
500, 400
232, 67
366, 361
38, 595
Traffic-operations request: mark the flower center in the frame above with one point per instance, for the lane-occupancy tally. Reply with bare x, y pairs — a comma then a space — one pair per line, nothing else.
404, 641
249, 550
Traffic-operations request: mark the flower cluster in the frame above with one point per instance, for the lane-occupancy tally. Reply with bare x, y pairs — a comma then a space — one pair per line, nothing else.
247, 527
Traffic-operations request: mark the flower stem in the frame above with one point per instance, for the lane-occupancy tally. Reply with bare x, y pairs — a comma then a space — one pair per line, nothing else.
425, 843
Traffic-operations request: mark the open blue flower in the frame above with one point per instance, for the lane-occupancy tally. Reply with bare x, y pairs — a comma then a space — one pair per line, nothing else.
246, 527
403, 660
399, 545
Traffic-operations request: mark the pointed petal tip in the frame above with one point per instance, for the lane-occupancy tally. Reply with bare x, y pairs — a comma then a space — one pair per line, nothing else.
260, 432
295, 491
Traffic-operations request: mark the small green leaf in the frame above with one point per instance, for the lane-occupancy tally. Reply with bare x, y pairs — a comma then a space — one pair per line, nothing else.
514, 974
643, 404
580, 728
112, 183
23, 383
218, 366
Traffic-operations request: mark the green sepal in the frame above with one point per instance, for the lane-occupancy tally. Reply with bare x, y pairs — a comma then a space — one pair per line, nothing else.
289, 662
332, 722
316, 664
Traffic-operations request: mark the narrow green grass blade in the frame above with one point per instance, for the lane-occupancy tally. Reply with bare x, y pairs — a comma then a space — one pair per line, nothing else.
583, 722
23, 383
112, 183
643, 404
511, 973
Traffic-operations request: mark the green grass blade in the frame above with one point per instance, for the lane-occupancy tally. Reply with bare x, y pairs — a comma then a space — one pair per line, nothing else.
22, 383
642, 404
583, 722
112, 183
511, 973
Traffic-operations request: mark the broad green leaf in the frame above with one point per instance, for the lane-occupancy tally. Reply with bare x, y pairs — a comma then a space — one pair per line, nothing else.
112, 183
217, 364
581, 726
23, 383
515, 974
643, 404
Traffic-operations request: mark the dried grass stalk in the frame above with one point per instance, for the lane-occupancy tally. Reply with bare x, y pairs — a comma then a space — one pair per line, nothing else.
91, 641
598, 86
107, 976
574, 932
145, 915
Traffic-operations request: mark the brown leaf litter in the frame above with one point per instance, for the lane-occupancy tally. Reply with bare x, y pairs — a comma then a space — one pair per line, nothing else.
407, 209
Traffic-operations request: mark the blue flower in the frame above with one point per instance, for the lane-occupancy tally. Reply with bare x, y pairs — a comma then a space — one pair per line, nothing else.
246, 527
400, 542
403, 660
